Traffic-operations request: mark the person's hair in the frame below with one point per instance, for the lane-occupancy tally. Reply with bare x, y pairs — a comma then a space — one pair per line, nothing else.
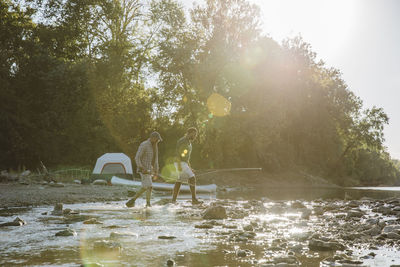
191, 130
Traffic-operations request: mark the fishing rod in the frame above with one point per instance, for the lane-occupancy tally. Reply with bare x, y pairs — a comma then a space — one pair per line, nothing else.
229, 170
173, 179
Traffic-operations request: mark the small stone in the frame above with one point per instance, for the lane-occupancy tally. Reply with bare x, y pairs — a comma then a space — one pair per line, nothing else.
166, 237
170, 262
204, 226
248, 228
241, 253
92, 221
99, 182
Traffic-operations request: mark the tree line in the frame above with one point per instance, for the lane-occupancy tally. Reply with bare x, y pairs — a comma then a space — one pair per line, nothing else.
80, 78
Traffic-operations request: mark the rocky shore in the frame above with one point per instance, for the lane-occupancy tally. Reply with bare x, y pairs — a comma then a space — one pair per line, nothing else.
260, 232
37, 194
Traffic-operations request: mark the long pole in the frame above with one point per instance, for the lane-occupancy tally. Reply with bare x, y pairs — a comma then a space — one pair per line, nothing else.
229, 170
170, 179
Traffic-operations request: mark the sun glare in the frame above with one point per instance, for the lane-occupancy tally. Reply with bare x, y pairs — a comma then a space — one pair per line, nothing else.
326, 24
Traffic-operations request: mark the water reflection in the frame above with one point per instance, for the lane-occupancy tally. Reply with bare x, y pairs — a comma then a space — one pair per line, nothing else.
130, 236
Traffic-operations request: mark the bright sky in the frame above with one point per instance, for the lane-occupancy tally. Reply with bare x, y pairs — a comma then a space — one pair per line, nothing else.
359, 37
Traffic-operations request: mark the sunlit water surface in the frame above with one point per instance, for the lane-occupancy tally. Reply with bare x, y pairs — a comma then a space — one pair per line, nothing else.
139, 228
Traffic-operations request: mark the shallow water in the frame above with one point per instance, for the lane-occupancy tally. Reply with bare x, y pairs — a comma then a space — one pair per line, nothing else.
35, 243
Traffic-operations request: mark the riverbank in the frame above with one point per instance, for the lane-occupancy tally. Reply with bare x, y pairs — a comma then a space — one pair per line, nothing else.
20, 195
30, 192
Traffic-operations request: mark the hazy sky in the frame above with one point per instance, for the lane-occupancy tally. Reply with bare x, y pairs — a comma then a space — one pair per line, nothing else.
359, 37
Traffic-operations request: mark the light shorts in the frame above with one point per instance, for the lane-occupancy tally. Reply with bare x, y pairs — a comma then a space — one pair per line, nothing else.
146, 180
186, 172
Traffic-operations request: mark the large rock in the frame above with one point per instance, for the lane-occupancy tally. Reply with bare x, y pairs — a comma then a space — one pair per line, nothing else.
58, 209
16, 222
215, 213
319, 245
66, 232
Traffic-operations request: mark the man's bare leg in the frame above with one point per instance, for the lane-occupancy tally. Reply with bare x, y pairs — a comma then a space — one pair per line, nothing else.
148, 196
176, 191
192, 185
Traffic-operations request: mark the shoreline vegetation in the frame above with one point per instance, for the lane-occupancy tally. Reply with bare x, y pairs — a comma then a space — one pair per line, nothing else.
78, 83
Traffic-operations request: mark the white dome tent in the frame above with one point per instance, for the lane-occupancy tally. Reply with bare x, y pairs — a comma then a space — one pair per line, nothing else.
111, 164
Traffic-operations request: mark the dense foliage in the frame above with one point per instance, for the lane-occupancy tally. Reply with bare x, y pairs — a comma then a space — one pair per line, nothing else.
80, 78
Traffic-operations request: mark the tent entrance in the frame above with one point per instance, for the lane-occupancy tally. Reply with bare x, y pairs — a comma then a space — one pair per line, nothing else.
113, 168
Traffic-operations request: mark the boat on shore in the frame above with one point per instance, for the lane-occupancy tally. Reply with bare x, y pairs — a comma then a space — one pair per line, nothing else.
210, 188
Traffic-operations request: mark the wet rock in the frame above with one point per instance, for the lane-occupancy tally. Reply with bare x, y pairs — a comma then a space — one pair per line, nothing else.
92, 221
117, 235
66, 232
241, 253
170, 262
230, 226
374, 231
353, 204
238, 214
318, 211
285, 260
248, 228
306, 214
257, 206
301, 236
58, 209
99, 182
106, 245
298, 205
166, 237
113, 226
17, 222
74, 218
319, 245
278, 208
66, 211
204, 226
391, 228
355, 214
215, 212
347, 262
384, 210
392, 235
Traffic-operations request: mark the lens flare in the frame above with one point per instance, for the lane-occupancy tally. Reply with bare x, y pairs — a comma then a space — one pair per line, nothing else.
218, 105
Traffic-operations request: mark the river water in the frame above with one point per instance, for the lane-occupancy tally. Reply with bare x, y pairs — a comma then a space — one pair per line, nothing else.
133, 234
